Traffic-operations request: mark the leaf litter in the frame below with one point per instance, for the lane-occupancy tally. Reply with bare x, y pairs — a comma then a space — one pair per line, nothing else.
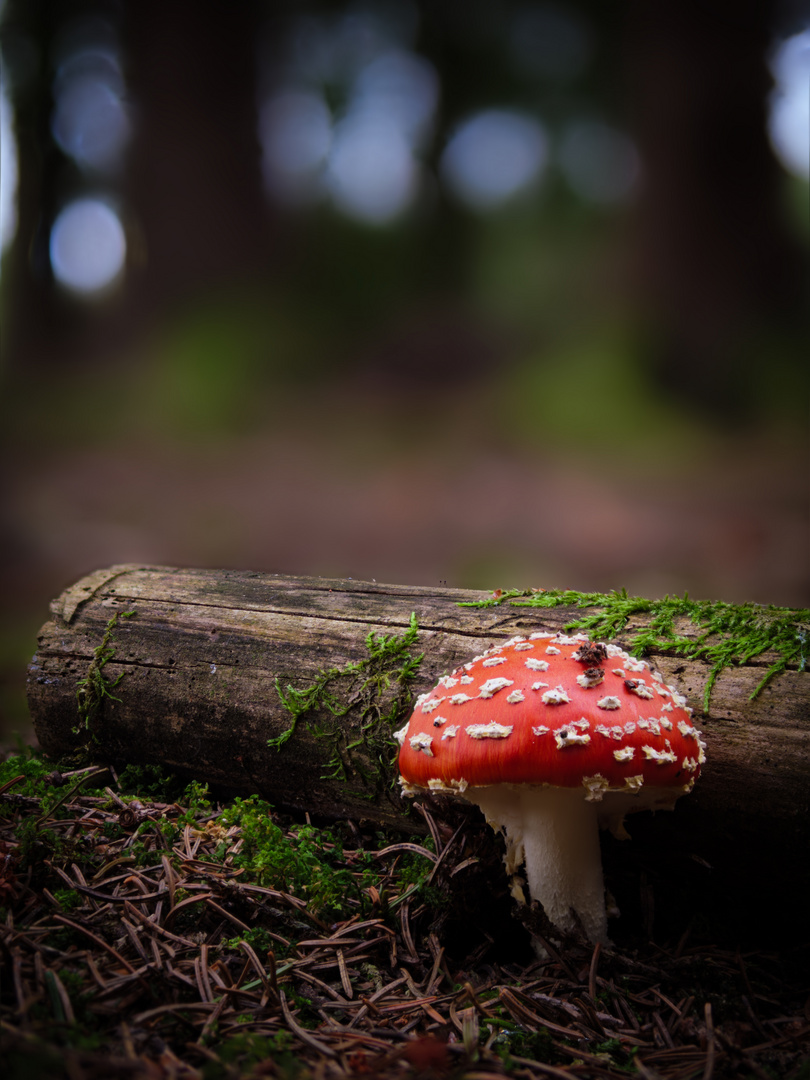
146, 939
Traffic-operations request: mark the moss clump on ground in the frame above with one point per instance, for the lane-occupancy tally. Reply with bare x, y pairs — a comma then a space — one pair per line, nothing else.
729, 634
307, 862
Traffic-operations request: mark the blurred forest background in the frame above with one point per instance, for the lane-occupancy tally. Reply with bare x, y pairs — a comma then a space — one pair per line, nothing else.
488, 293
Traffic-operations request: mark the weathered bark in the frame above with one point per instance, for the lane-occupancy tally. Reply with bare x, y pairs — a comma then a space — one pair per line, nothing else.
200, 659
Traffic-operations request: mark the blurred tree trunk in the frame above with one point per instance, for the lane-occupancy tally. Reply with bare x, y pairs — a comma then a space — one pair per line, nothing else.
194, 177
194, 207
37, 317
716, 262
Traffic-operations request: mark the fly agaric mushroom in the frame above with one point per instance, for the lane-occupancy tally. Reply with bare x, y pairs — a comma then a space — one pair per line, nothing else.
553, 737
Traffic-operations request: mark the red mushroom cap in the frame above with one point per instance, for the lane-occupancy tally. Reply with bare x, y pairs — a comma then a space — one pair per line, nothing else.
552, 709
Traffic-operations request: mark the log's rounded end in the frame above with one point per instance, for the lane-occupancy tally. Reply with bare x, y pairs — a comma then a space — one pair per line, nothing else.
65, 606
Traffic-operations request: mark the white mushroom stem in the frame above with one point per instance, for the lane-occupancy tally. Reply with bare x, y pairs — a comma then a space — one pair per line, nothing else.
555, 831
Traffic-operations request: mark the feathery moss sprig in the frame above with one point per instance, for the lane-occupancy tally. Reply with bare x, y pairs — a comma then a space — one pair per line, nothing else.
730, 634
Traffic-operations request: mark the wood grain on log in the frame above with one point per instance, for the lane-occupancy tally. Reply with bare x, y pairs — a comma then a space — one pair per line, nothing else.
198, 665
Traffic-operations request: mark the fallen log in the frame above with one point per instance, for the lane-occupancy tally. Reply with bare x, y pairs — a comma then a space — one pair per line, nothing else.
292, 687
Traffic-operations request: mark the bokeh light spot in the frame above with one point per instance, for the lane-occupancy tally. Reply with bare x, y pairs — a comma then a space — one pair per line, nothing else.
8, 172
493, 156
372, 175
90, 122
402, 86
789, 115
91, 119
88, 247
295, 131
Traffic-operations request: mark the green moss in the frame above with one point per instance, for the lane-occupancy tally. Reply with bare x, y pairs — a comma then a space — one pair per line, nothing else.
240, 1054
26, 773
151, 781
28, 776
729, 634
378, 689
95, 687
308, 863
259, 939
40, 846
617, 1054
513, 1040
196, 801
69, 899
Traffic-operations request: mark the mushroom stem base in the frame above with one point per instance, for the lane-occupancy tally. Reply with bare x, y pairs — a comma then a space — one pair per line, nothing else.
555, 832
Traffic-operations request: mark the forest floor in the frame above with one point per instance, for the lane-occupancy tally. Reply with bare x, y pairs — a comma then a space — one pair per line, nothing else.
149, 932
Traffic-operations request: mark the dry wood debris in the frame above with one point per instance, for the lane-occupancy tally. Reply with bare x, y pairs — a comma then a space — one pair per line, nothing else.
149, 964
